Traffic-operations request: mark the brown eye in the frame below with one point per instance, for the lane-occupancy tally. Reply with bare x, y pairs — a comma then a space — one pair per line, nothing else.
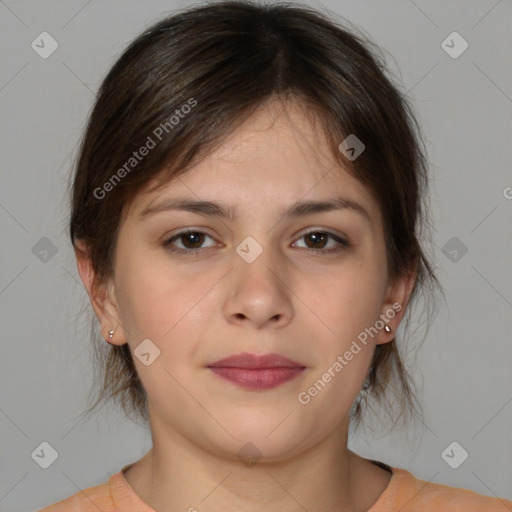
191, 241
316, 241
317, 238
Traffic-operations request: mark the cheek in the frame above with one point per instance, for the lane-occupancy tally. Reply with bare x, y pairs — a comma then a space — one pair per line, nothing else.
160, 301
346, 305
164, 306
344, 301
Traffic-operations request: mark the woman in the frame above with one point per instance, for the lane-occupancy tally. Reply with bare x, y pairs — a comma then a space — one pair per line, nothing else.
245, 217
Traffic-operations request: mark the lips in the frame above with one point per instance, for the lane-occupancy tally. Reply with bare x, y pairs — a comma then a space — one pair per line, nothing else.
257, 372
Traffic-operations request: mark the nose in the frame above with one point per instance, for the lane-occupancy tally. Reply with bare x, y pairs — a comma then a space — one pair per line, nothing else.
258, 293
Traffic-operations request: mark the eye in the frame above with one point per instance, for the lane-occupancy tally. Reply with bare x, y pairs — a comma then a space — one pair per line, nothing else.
193, 239
317, 238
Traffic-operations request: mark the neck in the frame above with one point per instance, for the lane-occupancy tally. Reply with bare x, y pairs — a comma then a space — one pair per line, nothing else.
179, 475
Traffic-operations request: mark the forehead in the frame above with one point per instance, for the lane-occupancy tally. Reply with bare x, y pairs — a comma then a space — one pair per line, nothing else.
280, 138
277, 156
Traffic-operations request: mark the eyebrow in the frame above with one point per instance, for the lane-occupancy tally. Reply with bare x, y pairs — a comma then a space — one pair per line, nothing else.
220, 210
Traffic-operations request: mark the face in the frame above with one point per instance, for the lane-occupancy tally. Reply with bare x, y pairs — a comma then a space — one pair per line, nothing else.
304, 286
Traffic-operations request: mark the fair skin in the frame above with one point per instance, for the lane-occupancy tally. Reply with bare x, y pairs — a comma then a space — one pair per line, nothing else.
290, 300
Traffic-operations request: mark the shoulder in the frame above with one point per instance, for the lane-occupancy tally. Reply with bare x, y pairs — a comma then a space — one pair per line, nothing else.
91, 499
111, 496
407, 494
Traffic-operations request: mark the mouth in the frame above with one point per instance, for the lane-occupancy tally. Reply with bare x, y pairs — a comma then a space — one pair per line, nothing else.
257, 372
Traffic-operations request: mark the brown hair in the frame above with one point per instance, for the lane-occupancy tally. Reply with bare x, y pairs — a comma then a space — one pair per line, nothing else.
224, 60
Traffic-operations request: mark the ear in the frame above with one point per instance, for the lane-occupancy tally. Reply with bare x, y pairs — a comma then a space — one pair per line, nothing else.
395, 302
102, 297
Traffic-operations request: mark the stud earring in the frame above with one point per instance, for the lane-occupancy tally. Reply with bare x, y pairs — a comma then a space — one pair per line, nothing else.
110, 334
387, 328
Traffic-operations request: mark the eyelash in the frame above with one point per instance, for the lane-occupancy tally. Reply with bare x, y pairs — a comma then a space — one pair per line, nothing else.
343, 244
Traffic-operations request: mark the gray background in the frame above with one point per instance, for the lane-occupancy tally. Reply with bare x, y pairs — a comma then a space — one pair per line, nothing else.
462, 370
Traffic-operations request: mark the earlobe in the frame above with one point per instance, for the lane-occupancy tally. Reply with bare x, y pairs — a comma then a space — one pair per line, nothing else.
395, 304
387, 333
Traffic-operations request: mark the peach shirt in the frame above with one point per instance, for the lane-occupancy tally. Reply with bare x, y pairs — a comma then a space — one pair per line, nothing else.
404, 493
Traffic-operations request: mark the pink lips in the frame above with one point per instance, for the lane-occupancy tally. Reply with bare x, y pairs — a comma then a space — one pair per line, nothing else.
252, 371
